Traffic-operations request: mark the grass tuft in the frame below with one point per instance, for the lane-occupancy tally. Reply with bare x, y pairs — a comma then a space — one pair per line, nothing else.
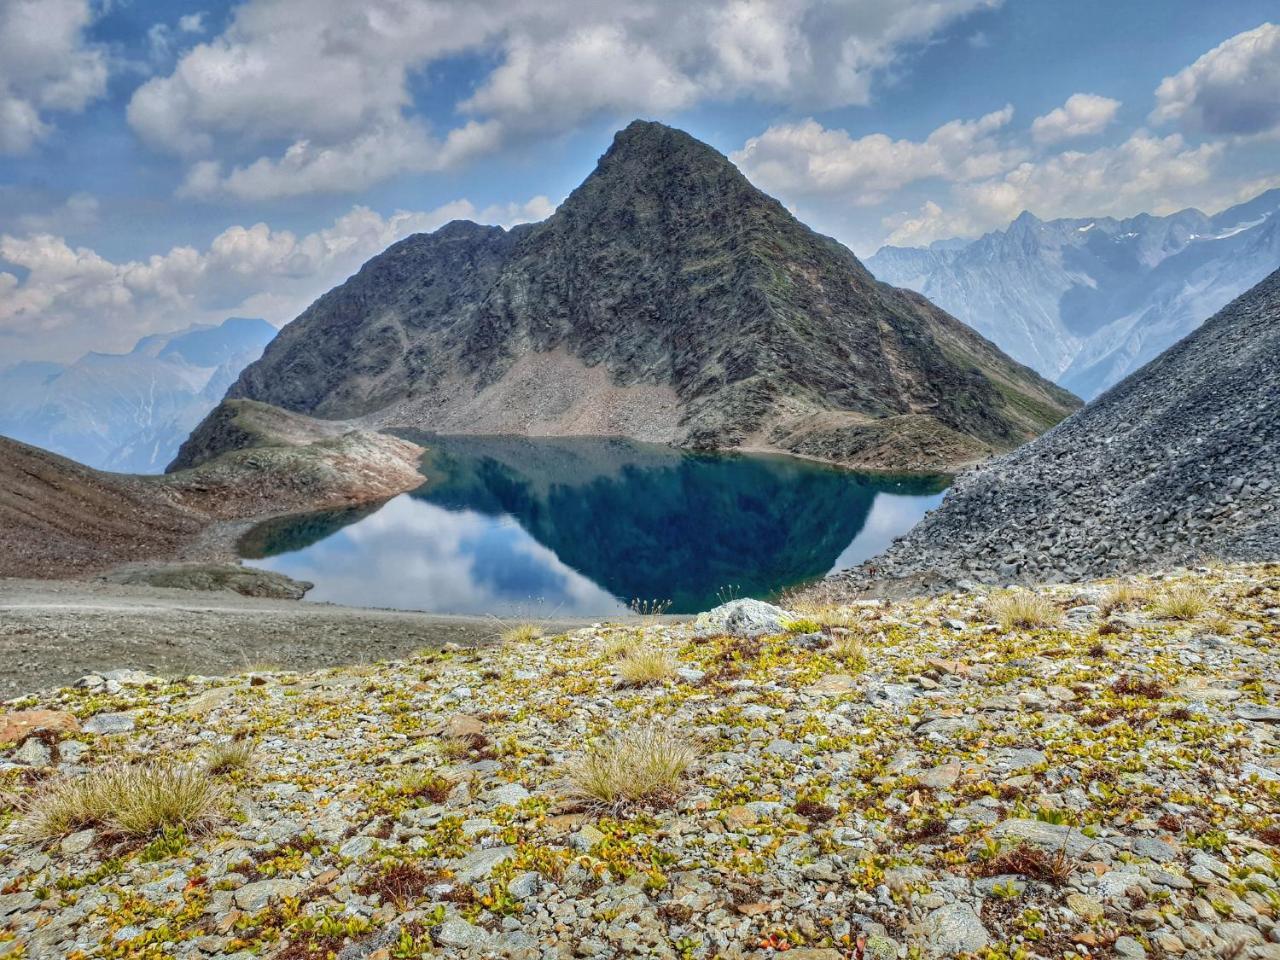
641, 667
1123, 596
521, 633
1181, 603
135, 801
646, 764
847, 649
1022, 608
227, 757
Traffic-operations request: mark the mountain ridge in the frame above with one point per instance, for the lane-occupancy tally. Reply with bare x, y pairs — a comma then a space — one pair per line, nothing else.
128, 412
1088, 300
666, 299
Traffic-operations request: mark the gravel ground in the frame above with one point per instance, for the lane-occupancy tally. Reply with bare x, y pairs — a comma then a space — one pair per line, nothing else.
53, 632
919, 780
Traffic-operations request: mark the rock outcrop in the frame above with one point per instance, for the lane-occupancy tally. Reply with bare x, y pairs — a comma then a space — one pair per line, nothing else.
1179, 462
667, 299
60, 518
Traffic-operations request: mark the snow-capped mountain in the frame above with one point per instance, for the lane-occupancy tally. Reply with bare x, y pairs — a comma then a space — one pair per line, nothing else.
1086, 302
129, 412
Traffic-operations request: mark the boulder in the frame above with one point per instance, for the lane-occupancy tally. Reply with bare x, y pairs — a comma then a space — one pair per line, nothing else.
16, 727
743, 618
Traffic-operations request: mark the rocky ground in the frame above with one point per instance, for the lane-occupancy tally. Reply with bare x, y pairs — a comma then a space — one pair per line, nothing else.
1179, 462
914, 779
53, 632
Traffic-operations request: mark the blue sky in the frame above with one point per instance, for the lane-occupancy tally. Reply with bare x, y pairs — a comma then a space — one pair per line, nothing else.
166, 163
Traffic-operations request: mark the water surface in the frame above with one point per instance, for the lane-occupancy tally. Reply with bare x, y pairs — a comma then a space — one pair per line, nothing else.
520, 527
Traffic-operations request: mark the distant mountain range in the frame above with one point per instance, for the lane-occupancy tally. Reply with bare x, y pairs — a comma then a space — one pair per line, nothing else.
667, 299
129, 412
1086, 302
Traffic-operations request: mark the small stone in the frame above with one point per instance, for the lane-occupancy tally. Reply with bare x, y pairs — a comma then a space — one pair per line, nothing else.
478, 865
952, 929
524, 885
253, 897
33, 753
356, 847
509, 794
941, 777
1256, 713
78, 842
1129, 948
1084, 906
109, 723
456, 932
463, 726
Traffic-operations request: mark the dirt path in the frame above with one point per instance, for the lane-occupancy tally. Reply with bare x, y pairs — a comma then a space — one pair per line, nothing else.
54, 632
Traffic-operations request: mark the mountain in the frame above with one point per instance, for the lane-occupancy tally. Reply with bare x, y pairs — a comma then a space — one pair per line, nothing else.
1088, 301
129, 412
667, 299
1178, 462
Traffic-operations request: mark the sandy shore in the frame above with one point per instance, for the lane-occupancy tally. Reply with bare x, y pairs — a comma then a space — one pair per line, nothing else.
54, 632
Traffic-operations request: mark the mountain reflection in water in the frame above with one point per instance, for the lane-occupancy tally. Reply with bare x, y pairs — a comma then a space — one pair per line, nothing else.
579, 527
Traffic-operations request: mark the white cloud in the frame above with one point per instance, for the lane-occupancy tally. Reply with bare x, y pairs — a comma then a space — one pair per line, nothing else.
1234, 89
45, 67
76, 299
807, 158
1145, 173
332, 79
1084, 114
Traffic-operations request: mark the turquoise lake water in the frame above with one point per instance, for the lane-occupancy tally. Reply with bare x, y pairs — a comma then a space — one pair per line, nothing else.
519, 527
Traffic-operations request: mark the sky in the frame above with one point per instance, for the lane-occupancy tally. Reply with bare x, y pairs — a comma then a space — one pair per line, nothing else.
171, 162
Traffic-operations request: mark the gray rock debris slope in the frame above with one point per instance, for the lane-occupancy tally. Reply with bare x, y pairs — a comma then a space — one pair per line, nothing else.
1177, 462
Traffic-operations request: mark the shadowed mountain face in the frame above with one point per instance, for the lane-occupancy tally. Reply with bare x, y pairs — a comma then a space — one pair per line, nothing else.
666, 300
637, 521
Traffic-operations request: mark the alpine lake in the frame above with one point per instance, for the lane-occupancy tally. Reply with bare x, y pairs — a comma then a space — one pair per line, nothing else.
541, 528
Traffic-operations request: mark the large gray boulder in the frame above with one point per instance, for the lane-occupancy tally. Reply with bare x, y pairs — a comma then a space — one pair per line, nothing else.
743, 618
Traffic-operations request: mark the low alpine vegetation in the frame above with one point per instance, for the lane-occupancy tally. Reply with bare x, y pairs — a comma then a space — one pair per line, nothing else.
1183, 602
521, 633
228, 757
135, 801
646, 764
1023, 609
1123, 596
847, 650
642, 667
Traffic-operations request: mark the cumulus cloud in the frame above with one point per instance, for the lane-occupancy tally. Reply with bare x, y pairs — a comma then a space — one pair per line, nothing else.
807, 158
46, 66
1084, 114
1144, 173
1234, 89
332, 80
77, 299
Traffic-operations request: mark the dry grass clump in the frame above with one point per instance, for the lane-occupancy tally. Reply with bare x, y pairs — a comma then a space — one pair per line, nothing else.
1183, 602
621, 646
229, 756
645, 764
1032, 863
847, 649
642, 667
1123, 596
1022, 608
521, 633
136, 801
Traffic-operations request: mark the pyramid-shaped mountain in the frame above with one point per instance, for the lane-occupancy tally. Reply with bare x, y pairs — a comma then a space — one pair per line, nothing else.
667, 299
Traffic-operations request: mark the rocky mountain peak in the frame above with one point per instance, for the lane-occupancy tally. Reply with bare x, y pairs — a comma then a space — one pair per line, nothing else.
666, 299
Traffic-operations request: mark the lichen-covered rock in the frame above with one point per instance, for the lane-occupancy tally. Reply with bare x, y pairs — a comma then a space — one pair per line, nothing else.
743, 618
